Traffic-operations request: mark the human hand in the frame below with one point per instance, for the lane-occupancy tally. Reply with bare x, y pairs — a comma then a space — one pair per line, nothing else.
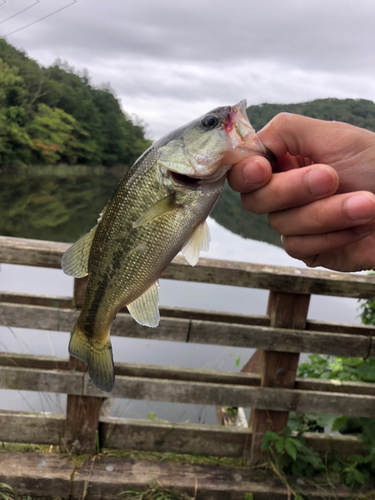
321, 198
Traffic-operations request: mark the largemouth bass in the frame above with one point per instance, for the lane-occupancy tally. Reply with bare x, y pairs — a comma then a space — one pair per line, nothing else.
157, 210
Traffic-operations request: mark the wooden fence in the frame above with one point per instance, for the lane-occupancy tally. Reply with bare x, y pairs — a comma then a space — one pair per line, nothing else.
267, 384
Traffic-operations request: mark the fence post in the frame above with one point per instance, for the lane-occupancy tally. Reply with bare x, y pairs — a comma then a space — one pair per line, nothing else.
82, 412
277, 369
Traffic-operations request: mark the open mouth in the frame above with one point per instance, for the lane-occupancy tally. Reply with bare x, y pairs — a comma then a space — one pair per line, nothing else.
184, 180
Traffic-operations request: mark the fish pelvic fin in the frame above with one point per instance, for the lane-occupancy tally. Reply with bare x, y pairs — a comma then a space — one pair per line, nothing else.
198, 241
98, 358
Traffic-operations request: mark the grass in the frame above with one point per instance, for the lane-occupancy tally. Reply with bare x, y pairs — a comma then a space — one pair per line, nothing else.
190, 459
153, 493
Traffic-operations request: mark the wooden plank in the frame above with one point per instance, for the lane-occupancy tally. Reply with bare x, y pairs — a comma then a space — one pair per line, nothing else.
51, 475
30, 427
277, 369
146, 435
188, 374
203, 393
277, 278
33, 361
82, 416
37, 300
30, 252
127, 434
37, 474
214, 440
82, 412
201, 332
193, 314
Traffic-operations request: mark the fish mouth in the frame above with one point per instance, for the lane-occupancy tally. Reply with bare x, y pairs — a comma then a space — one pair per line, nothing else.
184, 180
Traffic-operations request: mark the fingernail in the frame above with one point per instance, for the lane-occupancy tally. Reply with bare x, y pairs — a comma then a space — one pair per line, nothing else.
320, 181
361, 207
254, 173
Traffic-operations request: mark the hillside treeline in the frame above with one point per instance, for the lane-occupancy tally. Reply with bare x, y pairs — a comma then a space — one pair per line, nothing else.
53, 115
229, 212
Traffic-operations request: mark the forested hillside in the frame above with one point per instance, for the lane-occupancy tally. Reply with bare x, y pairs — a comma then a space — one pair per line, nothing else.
229, 213
53, 115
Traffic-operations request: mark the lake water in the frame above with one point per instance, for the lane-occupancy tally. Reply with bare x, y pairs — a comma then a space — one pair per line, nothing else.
224, 245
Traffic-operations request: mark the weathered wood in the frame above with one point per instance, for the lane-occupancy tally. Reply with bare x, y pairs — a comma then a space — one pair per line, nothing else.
82, 416
33, 361
122, 433
36, 300
27, 427
51, 475
80, 285
37, 474
277, 278
277, 369
190, 392
201, 332
187, 374
127, 434
144, 435
82, 412
194, 314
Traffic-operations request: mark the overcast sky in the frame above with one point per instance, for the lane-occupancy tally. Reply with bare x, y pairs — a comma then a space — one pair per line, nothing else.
170, 61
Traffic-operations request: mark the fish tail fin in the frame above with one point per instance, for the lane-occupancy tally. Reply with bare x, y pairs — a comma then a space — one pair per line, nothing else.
98, 358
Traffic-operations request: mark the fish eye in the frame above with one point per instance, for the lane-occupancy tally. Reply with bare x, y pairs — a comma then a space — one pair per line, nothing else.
209, 122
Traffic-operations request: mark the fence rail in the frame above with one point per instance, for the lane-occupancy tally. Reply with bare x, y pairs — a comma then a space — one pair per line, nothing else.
279, 337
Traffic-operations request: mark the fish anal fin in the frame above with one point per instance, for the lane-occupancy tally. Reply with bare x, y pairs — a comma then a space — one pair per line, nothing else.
99, 358
145, 309
198, 241
162, 207
76, 259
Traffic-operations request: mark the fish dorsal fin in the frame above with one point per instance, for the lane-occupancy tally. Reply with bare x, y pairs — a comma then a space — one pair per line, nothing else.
75, 260
199, 240
145, 309
162, 207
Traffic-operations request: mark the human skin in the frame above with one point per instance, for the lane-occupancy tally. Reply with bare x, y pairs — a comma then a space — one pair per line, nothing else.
319, 194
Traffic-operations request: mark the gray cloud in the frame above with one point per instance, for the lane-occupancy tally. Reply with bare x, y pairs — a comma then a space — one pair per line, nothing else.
170, 58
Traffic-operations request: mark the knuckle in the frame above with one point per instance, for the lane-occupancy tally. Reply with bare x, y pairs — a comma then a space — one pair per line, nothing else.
274, 219
281, 119
293, 245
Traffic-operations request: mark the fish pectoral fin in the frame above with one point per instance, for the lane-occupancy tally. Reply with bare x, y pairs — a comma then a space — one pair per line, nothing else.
98, 358
145, 309
162, 207
198, 241
75, 260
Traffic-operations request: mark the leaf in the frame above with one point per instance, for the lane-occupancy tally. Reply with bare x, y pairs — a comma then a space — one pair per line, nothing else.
280, 445
339, 422
359, 477
291, 449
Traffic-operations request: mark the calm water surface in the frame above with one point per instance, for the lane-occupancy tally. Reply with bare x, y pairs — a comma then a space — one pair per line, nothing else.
64, 209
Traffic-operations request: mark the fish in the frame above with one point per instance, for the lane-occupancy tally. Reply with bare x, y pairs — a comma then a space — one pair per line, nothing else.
158, 209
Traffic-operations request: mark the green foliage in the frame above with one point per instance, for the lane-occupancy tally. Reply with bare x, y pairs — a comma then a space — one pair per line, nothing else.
358, 468
6, 492
229, 212
52, 115
290, 454
358, 112
341, 369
